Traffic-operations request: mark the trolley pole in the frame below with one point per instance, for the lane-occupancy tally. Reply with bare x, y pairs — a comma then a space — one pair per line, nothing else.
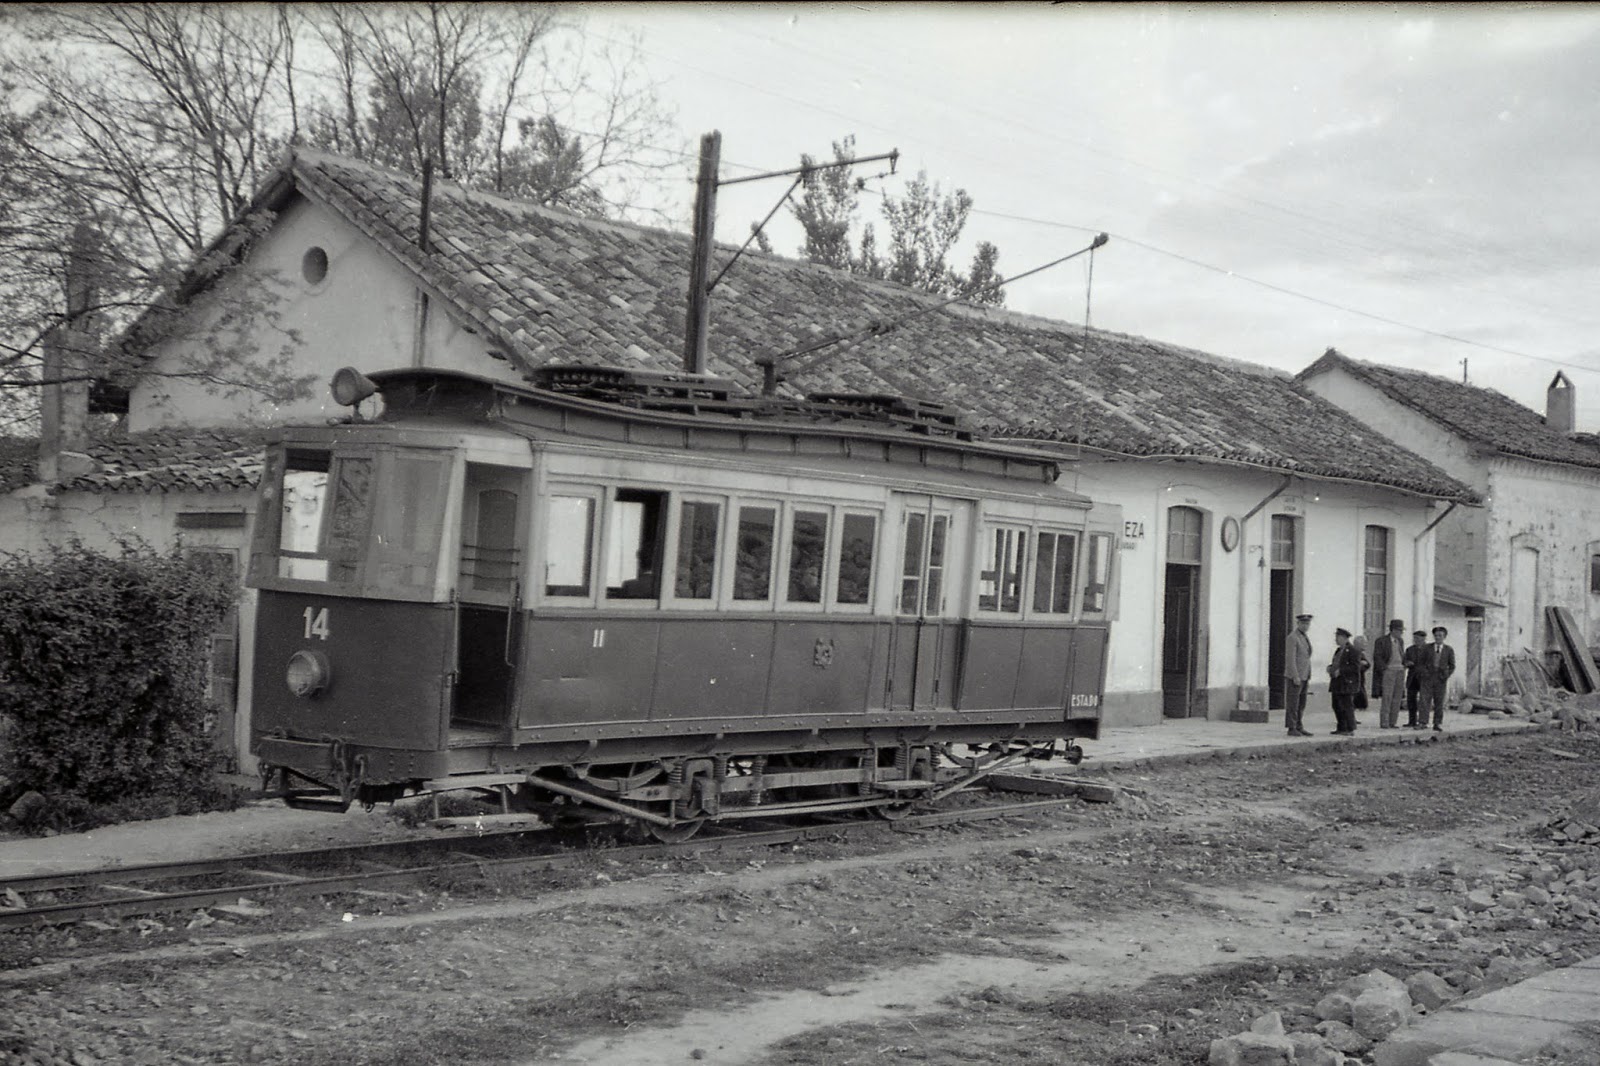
705, 218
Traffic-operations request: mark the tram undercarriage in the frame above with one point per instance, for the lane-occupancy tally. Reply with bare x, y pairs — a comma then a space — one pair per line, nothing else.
673, 797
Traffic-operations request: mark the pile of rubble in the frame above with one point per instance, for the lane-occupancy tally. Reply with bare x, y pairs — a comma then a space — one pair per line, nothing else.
1576, 823
1357, 1015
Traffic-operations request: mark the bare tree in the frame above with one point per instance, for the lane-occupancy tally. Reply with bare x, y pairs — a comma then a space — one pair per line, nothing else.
149, 125
507, 98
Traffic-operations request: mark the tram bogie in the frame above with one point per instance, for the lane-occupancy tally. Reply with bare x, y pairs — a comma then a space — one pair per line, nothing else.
641, 593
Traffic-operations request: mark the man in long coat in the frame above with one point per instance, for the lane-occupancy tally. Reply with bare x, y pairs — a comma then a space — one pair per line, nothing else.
1389, 674
1419, 665
1344, 681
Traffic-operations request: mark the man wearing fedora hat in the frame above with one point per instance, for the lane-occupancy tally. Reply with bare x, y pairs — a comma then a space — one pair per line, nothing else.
1389, 674
1417, 667
1441, 659
1296, 676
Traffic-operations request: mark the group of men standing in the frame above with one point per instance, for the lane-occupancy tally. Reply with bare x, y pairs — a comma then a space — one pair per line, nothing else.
1417, 675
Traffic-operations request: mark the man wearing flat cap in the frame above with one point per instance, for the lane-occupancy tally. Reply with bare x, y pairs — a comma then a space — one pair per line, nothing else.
1435, 684
1344, 681
1417, 669
1296, 676
1389, 674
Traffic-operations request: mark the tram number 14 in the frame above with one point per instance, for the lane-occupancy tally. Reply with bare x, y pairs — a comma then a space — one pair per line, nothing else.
316, 623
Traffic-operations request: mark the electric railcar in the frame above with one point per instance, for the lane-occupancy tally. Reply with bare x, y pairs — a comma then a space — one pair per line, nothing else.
645, 593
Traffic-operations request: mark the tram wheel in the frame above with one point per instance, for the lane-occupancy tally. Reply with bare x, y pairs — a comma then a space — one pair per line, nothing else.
675, 834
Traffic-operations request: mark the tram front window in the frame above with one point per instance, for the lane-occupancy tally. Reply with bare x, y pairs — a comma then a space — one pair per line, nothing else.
371, 521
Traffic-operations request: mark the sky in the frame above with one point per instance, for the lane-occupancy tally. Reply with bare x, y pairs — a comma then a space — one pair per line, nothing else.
1417, 186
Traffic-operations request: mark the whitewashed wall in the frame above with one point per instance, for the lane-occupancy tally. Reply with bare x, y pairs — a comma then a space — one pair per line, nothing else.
1334, 517
363, 313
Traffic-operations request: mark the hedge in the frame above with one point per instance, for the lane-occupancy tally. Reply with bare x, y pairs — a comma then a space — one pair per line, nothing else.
103, 669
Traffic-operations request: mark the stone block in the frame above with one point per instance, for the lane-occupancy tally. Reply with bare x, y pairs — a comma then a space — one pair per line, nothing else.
1252, 1049
1453, 1029
1334, 1007
1269, 1024
1341, 1037
1377, 1012
1310, 1049
1429, 991
1542, 1003
1372, 979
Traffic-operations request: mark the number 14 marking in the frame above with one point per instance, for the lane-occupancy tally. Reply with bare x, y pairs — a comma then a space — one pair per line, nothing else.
316, 623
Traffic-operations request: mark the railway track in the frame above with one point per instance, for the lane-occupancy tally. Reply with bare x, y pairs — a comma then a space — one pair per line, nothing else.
155, 888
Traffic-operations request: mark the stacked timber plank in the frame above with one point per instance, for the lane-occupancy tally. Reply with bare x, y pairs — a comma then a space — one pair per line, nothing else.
1575, 655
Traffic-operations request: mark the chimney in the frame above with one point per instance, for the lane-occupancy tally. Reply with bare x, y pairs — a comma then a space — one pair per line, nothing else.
64, 397
1559, 404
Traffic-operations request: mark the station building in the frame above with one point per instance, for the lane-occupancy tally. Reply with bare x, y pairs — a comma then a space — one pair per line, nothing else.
1535, 541
1245, 497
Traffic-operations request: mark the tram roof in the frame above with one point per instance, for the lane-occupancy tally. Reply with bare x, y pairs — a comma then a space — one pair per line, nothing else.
544, 286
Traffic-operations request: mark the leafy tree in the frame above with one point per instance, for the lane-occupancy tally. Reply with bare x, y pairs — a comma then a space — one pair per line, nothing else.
147, 128
924, 225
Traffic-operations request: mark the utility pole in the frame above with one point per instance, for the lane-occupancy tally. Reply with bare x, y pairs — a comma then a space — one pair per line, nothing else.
705, 219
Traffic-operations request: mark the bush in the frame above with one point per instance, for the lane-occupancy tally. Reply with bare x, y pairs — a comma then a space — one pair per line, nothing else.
103, 668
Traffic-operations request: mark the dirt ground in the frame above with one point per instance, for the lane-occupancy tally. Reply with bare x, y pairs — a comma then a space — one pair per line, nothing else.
1130, 933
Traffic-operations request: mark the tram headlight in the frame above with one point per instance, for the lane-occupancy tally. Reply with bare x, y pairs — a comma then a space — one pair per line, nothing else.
308, 673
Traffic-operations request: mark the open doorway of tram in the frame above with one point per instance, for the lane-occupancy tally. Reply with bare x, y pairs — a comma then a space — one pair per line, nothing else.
489, 603
1281, 598
1183, 692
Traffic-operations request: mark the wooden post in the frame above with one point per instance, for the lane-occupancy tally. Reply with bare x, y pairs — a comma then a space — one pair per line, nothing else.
705, 220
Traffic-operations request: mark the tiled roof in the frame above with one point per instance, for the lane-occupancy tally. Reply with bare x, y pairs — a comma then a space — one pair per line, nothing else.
164, 460
543, 286
1485, 417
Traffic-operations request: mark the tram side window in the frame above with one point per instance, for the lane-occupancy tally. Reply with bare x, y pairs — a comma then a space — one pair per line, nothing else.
808, 550
408, 522
752, 568
633, 545
1000, 583
857, 540
1052, 573
569, 540
1098, 573
698, 526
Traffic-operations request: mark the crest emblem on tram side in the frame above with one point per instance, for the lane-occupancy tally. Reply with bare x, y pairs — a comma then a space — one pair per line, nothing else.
823, 654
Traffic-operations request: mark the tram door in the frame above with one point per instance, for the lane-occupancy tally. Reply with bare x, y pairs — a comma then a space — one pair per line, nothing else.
489, 603
925, 643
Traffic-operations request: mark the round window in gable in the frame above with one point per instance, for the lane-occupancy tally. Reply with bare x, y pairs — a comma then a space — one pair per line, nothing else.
314, 265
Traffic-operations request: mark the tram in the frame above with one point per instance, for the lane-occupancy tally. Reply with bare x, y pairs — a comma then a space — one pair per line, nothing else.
646, 593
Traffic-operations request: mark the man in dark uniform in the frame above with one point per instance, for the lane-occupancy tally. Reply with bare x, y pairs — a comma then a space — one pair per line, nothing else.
1344, 680
1297, 676
1416, 663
